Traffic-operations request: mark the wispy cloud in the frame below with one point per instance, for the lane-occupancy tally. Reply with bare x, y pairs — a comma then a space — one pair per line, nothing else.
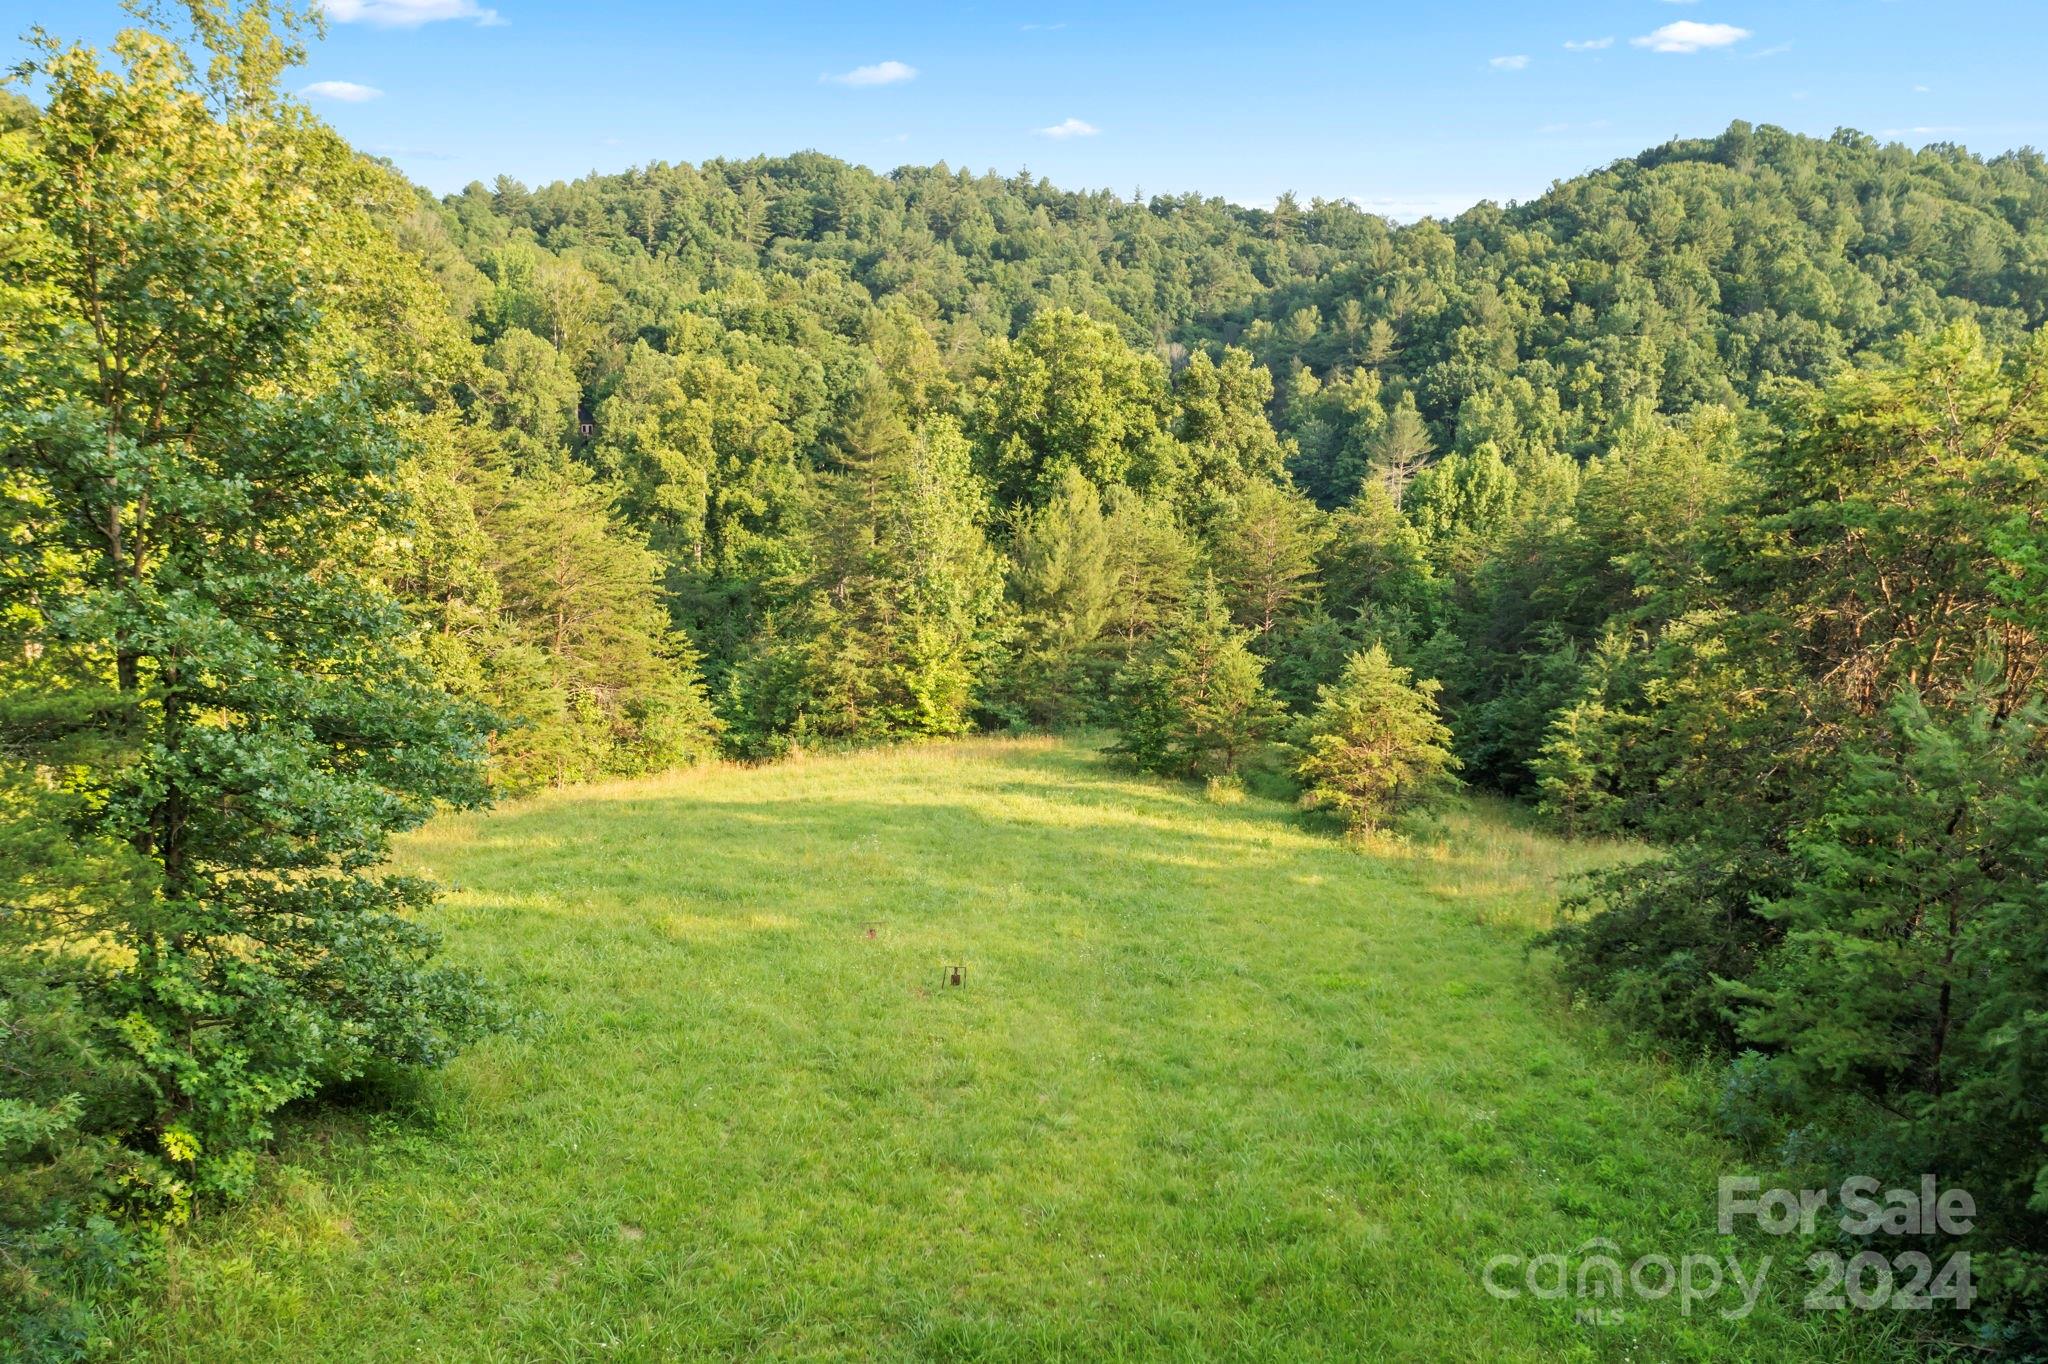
1587, 44
1042, 28
1922, 90
348, 92
1518, 62
1923, 130
1776, 50
1688, 36
407, 13
1072, 127
881, 73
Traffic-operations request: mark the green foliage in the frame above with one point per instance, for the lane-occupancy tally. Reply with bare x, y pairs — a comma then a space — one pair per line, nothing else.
1581, 773
209, 697
884, 638
533, 597
1220, 417
66, 1100
1069, 394
1675, 478
1399, 449
528, 394
68, 1094
1845, 742
1337, 427
1152, 563
614, 687
1374, 747
1192, 701
1911, 986
1672, 477
1061, 593
1265, 554
1655, 942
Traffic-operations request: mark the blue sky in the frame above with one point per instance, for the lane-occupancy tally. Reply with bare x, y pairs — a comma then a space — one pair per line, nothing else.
1409, 107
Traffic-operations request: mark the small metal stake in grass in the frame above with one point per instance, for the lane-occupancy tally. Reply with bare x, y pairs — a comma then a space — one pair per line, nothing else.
953, 975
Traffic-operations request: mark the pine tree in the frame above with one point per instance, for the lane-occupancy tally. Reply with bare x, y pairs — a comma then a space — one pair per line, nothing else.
887, 635
1910, 992
1265, 554
1582, 772
1061, 586
1400, 449
1193, 702
605, 685
1151, 566
1374, 746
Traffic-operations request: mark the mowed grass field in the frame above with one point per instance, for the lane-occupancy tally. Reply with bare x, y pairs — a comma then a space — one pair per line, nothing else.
1216, 1085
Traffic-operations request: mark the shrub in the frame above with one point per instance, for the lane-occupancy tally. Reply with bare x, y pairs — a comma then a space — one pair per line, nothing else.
64, 1099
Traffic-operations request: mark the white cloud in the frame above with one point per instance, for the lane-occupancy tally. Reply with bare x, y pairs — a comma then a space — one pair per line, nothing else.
407, 13
1688, 36
1514, 63
1923, 130
1072, 127
348, 92
1778, 50
1921, 90
881, 73
1587, 44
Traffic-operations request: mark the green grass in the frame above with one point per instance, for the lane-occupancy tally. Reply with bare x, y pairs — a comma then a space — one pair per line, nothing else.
1217, 1086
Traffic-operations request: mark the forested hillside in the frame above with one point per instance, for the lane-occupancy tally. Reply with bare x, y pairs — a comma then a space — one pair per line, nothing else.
716, 337
1693, 273
1699, 500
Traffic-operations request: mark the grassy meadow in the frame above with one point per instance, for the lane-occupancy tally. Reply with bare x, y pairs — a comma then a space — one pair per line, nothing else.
1216, 1085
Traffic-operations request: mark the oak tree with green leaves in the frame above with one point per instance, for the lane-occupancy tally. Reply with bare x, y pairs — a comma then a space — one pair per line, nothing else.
1069, 394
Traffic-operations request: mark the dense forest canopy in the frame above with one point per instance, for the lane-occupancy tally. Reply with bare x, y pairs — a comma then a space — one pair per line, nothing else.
1691, 274
708, 331
1699, 499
